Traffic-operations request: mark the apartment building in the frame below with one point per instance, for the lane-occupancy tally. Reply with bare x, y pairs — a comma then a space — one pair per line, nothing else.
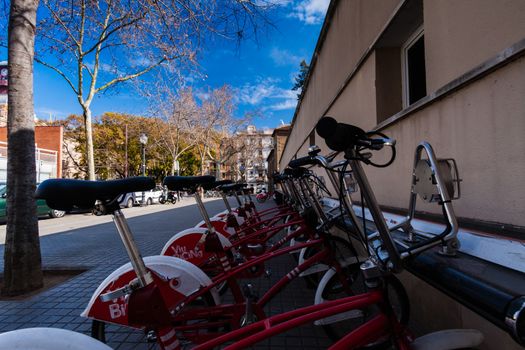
255, 146
279, 136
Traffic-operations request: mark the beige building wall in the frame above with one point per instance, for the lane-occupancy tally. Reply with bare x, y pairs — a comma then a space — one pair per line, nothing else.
480, 123
462, 34
354, 26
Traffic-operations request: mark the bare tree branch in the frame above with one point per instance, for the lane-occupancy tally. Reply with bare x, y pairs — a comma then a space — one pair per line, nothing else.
62, 74
128, 77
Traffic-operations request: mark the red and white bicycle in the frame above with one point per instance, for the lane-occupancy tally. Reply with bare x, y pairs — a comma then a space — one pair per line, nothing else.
174, 299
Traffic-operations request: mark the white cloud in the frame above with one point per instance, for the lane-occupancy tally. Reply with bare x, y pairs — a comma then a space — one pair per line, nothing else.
201, 95
104, 67
256, 93
284, 57
267, 95
286, 104
140, 61
45, 113
310, 11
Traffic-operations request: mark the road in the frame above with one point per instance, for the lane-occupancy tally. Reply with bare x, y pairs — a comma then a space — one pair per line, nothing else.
48, 226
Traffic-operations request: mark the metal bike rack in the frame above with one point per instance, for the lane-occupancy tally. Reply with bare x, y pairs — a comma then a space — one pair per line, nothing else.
435, 181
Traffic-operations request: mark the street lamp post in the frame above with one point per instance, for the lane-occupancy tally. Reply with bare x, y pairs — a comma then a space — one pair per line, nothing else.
143, 138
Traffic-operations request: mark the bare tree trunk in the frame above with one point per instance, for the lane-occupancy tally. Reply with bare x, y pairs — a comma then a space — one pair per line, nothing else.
203, 159
23, 264
89, 143
173, 166
218, 171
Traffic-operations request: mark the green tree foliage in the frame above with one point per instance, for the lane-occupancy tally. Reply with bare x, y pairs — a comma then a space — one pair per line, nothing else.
109, 136
200, 136
300, 79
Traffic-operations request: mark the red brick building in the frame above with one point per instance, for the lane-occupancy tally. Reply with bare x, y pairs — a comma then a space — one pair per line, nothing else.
49, 142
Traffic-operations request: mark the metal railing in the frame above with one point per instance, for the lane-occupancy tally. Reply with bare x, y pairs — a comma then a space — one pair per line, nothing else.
46, 162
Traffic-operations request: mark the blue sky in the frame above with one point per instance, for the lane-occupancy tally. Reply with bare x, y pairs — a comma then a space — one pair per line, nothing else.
261, 74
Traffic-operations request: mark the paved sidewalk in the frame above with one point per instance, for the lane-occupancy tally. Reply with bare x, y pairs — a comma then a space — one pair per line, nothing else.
99, 249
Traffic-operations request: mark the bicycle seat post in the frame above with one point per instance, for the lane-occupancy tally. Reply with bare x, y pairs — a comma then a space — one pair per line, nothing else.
126, 236
226, 203
237, 198
203, 211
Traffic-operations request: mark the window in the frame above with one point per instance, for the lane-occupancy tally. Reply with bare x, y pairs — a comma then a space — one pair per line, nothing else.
400, 61
413, 67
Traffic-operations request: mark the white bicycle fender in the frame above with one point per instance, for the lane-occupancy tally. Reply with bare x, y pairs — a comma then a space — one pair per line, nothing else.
222, 213
293, 241
319, 300
48, 339
200, 230
222, 217
190, 276
312, 269
322, 284
448, 339
219, 223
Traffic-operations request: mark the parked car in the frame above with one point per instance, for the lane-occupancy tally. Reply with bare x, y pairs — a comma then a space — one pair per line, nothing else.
127, 201
150, 197
42, 208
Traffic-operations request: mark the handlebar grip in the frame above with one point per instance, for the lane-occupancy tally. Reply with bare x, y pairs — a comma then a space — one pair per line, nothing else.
339, 136
308, 160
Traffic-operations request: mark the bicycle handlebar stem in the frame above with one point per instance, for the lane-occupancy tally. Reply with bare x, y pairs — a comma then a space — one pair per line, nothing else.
373, 206
314, 201
346, 196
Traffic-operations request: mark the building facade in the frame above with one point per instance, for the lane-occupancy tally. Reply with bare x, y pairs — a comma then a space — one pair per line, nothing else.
447, 72
279, 137
48, 144
254, 147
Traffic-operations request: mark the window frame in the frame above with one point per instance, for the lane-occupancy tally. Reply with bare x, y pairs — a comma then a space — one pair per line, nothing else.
414, 37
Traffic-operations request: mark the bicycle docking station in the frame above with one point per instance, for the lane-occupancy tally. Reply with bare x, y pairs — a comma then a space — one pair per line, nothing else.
434, 181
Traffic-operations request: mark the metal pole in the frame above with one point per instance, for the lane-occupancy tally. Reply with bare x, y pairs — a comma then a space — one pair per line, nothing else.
143, 170
126, 151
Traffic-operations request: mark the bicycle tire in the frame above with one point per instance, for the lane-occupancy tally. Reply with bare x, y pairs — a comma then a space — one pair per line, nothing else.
395, 295
98, 328
342, 249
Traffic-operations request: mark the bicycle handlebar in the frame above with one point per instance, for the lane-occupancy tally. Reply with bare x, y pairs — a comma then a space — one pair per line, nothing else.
308, 160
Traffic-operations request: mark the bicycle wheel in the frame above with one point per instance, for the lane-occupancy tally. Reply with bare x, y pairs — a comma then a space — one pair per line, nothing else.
338, 326
99, 328
344, 254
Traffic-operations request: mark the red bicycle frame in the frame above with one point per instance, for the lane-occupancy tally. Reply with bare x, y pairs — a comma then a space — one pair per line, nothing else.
380, 326
230, 314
